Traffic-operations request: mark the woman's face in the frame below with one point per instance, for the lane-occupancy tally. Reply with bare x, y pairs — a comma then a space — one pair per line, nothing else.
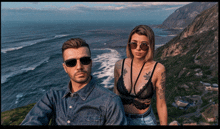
138, 52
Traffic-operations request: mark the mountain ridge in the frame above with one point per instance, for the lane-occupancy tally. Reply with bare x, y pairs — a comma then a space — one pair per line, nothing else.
183, 16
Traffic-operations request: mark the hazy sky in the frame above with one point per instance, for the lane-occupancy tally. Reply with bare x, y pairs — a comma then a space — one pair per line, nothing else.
49, 11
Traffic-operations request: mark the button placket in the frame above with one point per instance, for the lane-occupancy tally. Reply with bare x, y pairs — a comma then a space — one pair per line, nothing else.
71, 105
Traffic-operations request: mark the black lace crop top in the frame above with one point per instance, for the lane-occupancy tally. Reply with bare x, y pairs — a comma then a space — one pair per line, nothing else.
145, 93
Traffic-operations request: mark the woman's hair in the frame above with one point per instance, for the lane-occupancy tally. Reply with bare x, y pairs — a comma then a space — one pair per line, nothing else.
142, 30
75, 43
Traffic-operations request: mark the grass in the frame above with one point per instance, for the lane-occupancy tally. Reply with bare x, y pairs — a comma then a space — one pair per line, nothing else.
15, 116
174, 65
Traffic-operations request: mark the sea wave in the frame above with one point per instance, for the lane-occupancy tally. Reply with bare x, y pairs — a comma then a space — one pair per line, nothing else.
106, 71
22, 69
30, 43
61, 35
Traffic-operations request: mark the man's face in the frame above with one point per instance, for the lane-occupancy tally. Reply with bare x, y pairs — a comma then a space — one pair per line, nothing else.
79, 73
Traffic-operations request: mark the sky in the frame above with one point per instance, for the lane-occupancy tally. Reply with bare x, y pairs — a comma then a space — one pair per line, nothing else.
110, 11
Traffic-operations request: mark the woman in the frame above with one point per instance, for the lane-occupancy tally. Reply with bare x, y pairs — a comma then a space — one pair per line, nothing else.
138, 77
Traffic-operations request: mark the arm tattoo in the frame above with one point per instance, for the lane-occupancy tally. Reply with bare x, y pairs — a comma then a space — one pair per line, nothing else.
161, 92
147, 76
118, 65
163, 80
124, 72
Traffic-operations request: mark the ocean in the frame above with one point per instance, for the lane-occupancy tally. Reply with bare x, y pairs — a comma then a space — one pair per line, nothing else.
31, 57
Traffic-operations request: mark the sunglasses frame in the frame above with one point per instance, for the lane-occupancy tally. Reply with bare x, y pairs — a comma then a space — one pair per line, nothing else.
140, 46
80, 59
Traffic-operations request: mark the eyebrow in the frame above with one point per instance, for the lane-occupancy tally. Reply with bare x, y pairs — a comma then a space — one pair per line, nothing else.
141, 42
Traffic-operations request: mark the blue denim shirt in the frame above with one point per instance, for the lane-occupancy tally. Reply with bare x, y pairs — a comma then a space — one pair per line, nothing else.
91, 105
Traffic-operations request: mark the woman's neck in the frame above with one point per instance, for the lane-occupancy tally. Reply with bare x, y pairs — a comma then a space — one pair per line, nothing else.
138, 62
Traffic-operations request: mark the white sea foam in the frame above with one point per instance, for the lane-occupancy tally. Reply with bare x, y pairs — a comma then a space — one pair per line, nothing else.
21, 45
22, 69
106, 70
18, 96
61, 35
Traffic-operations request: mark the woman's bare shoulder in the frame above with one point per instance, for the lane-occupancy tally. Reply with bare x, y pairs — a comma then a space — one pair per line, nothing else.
118, 64
160, 68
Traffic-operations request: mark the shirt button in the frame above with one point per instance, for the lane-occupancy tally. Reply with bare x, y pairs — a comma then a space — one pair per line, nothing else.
70, 106
68, 121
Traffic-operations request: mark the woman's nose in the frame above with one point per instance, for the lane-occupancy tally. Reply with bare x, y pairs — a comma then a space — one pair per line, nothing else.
138, 47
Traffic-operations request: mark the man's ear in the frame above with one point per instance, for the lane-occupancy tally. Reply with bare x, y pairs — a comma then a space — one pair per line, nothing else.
91, 63
64, 67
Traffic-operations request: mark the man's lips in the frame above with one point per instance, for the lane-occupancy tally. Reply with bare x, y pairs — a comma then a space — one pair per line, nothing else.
80, 74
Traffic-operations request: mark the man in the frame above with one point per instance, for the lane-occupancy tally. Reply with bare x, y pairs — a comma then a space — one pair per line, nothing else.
82, 102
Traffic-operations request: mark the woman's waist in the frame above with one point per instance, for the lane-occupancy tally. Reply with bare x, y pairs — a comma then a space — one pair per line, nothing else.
133, 112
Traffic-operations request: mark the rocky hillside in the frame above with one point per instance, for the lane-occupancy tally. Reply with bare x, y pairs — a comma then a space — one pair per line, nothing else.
200, 38
185, 15
191, 58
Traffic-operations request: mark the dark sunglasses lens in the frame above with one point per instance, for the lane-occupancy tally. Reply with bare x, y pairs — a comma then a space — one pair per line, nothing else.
144, 47
133, 45
71, 63
85, 60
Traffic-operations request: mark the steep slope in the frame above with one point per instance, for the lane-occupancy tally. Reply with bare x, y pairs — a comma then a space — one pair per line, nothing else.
200, 37
193, 51
185, 15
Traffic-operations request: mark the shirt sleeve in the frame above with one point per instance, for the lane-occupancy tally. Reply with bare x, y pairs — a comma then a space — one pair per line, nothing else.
115, 112
41, 113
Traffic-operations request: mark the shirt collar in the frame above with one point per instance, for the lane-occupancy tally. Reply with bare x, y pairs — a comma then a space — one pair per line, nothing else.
84, 92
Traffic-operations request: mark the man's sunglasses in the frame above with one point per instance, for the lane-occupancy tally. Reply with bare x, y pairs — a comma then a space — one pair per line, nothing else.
143, 46
83, 60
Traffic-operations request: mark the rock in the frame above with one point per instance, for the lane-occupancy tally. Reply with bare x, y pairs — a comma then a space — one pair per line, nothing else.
214, 85
185, 15
199, 38
206, 84
184, 86
188, 74
204, 123
198, 69
190, 123
200, 74
174, 123
181, 72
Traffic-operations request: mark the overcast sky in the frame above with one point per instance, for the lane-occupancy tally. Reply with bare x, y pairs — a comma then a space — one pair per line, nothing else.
50, 11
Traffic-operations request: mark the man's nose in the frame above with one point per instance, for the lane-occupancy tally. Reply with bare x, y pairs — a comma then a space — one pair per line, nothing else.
79, 65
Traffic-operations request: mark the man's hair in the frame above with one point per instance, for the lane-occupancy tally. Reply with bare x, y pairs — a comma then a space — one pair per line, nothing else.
74, 43
142, 30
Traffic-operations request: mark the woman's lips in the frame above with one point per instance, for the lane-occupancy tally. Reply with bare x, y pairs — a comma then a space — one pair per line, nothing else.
138, 53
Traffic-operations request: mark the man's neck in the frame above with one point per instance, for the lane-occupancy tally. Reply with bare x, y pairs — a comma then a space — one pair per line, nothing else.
77, 86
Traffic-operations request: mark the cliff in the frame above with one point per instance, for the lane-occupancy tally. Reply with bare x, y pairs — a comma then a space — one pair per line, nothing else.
196, 47
185, 15
200, 38
191, 58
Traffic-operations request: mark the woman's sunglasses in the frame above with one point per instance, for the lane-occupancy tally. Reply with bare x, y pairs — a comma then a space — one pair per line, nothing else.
143, 46
83, 60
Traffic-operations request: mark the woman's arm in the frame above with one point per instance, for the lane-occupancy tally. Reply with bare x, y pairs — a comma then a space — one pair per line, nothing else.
160, 94
117, 69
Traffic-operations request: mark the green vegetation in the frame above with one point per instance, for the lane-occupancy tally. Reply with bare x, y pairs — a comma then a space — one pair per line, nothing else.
174, 65
15, 116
